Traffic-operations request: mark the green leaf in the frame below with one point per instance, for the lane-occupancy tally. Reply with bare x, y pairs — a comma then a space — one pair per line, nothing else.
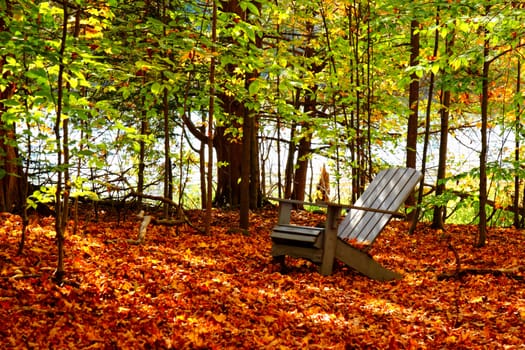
156, 88
249, 32
85, 193
435, 68
11, 60
248, 5
85, 152
254, 87
125, 92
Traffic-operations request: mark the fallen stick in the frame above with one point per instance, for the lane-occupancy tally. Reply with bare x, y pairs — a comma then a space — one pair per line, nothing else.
510, 273
146, 219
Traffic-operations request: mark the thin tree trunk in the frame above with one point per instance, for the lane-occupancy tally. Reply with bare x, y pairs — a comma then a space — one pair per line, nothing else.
25, 192
482, 227
211, 110
413, 100
168, 191
203, 171
279, 172
167, 158
82, 134
244, 212
288, 170
255, 175
517, 180
438, 219
62, 196
427, 132
358, 176
352, 124
142, 155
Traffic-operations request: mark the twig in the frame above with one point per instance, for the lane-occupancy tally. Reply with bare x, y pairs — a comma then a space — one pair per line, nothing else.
510, 273
146, 219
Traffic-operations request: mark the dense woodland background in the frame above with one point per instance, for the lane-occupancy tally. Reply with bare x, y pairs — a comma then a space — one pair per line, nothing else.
195, 113
223, 104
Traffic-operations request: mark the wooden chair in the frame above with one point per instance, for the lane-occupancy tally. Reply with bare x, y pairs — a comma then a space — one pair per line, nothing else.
362, 225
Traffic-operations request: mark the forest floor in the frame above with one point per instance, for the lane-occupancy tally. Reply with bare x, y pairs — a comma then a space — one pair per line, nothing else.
184, 290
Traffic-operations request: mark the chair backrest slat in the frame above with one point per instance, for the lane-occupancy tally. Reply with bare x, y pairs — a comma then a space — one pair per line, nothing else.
388, 191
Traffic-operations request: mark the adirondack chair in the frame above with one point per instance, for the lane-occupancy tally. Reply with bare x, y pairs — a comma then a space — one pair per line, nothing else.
362, 224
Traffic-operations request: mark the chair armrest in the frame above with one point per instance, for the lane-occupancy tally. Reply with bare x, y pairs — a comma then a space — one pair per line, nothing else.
375, 210
333, 204
298, 202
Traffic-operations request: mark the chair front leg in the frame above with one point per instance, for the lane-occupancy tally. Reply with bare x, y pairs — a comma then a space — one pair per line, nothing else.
330, 239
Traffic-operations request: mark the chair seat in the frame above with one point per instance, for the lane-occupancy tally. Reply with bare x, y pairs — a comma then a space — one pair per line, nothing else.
303, 235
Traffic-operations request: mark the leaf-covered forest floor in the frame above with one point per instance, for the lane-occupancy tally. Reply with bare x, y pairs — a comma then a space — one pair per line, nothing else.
184, 290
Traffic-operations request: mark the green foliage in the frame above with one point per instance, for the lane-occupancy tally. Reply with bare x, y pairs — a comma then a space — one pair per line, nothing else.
45, 194
337, 72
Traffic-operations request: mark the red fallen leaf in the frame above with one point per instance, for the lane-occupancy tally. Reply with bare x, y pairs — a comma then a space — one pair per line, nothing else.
184, 290
393, 343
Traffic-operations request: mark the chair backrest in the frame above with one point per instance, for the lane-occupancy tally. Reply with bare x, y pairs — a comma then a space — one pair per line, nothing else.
388, 191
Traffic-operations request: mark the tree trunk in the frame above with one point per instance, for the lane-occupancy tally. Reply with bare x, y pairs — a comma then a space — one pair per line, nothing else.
290, 160
438, 219
428, 119
244, 213
255, 170
142, 155
211, 111
238, 161
203, 171
517, 180
304, 150
413, 101
11, 172
482, 227
228, 167
62, 141
167, 159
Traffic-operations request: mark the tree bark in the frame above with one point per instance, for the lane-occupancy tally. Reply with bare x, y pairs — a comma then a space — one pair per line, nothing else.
304, 149
62, 141
438, 219
238, 161
517, 133
413, 101
482, 227
11, 173
244, 213
142, 154
428, 119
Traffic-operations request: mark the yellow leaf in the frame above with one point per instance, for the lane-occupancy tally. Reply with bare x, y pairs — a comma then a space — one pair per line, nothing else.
220, 318
477, 299
451, 339
269, 319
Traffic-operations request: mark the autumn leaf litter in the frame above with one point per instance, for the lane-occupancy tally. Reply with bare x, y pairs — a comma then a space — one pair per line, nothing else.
185, 290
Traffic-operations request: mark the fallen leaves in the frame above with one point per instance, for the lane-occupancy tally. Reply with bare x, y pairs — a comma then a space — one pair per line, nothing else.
187, 291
